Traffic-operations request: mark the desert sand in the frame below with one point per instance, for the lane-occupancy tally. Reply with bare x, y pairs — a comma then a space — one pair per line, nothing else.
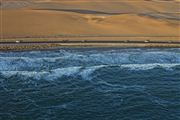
148, 19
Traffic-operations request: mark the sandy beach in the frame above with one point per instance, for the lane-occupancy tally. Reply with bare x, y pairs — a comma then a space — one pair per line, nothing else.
90, 20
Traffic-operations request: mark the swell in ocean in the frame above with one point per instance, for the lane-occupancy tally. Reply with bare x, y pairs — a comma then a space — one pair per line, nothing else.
76, 84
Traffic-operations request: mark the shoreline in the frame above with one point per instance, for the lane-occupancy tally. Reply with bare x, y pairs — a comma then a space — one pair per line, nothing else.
28, 44
41, 47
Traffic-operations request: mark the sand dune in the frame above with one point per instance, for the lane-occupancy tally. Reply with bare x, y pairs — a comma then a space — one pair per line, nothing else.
22, 18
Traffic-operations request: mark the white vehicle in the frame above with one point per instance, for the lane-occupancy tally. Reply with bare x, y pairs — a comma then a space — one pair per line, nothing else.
147, 41
17, 41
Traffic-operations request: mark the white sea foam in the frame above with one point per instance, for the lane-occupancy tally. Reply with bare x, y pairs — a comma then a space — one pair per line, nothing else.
84, 72
24, 63
30, 61
87, 73
57, 73
26, 74
149, 66
54, 74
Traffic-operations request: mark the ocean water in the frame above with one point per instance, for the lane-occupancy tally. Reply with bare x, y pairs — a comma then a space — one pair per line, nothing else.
90, 84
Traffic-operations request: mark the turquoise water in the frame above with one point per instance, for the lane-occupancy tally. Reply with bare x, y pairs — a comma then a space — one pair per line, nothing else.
90, 84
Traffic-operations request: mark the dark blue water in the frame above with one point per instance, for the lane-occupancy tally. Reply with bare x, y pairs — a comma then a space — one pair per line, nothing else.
90, 84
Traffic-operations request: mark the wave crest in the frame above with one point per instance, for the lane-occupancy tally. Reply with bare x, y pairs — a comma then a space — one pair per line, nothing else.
54, 74
84, 72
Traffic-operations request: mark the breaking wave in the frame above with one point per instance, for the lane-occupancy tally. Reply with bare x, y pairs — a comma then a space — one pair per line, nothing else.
42, 61
84, 72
